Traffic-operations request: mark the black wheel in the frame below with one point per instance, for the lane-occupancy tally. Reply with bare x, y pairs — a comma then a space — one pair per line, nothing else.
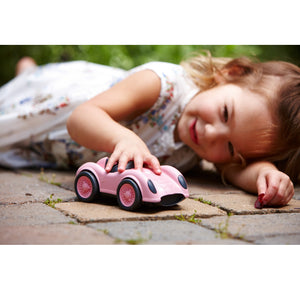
129, 195
86, 186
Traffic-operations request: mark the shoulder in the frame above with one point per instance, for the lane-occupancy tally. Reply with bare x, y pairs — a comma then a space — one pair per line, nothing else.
160, 68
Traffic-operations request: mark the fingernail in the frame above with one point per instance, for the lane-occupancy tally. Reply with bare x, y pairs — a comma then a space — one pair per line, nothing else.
260, 197
259, 202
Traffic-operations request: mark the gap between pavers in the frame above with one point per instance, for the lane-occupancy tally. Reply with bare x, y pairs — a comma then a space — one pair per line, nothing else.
97, 212
258, 228
18, 189
163, 232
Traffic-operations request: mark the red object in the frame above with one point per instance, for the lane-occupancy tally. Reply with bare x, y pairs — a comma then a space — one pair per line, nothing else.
259, 202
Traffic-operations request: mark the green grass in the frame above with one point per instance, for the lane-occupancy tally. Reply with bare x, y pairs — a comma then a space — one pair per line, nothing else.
51, 201
191, 219
223, 232
129, 56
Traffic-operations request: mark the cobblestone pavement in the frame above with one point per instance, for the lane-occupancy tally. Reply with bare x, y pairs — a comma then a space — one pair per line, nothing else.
41, 208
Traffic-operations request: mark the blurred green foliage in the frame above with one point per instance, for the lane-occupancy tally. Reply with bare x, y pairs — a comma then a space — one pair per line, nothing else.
129, 56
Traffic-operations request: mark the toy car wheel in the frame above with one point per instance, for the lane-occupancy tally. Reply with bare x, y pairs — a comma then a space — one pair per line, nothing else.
86, 186
129, 195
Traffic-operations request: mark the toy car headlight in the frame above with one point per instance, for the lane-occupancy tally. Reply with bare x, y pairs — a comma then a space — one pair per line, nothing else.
182, 181
151, 186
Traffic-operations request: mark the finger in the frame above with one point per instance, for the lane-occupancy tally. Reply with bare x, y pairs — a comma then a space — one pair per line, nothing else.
284, 192
123, 161
279, 197
272, 189
111, 161
261, 185
138, 162
154, 164
290, 197
287, 192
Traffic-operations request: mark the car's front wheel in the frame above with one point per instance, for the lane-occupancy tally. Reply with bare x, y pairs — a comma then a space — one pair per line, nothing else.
86, 186
129, 195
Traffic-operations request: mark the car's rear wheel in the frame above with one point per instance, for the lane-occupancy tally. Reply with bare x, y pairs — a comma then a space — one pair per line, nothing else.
86, 186
129, 195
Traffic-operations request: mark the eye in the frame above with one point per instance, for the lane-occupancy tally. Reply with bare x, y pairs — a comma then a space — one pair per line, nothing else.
225, 113
230, 149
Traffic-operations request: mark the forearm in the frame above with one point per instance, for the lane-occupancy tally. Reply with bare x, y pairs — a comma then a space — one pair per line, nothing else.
274, 187
93, 128
246, 177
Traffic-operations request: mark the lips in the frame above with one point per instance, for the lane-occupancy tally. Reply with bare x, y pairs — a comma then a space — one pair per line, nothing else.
193, 132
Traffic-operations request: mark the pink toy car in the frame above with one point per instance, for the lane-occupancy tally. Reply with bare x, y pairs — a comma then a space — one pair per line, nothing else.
132, 187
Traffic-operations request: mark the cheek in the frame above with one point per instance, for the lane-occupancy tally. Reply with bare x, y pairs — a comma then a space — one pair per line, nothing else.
216, 155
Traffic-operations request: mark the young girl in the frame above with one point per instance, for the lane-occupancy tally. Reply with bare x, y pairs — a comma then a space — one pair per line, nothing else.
240, 115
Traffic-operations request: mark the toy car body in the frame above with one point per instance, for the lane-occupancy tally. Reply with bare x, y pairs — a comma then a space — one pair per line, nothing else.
132, 187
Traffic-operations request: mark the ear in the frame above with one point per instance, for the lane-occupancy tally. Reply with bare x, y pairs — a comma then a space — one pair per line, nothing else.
237, 70
230, 72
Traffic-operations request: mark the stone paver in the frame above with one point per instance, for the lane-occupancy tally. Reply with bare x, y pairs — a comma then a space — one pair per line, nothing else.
25, 219
17, 189
276, 227
30, 214
168, 232
91, 212
291, 239
243, 203
209, 185
64, 179
53, 234
210, 188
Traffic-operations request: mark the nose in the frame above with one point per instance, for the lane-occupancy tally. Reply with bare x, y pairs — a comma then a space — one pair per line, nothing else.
215, 132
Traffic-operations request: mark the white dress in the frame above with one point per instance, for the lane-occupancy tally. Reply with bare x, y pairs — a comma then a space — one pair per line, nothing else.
35, 105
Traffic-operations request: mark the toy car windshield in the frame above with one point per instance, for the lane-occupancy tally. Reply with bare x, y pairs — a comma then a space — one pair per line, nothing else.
130, 165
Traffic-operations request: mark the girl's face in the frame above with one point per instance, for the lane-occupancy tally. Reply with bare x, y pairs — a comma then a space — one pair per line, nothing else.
222, 122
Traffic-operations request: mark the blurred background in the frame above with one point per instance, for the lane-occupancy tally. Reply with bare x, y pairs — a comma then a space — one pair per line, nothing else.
129, 56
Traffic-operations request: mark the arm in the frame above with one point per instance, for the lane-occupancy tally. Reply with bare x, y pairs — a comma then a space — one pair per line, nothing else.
262, 178
94, 124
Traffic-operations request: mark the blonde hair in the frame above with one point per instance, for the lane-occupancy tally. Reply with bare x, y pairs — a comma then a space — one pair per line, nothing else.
283, 98
203, 69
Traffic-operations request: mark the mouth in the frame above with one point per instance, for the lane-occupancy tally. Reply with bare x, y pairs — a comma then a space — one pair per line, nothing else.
193, 132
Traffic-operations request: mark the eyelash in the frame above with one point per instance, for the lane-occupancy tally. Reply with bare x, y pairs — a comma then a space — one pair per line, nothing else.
225, 116
225, 113
231, 149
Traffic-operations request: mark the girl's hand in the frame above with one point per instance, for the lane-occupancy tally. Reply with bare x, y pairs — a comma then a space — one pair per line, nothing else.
276, 186
132, 148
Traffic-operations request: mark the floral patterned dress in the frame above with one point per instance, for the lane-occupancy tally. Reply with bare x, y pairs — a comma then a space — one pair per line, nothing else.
35, 106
